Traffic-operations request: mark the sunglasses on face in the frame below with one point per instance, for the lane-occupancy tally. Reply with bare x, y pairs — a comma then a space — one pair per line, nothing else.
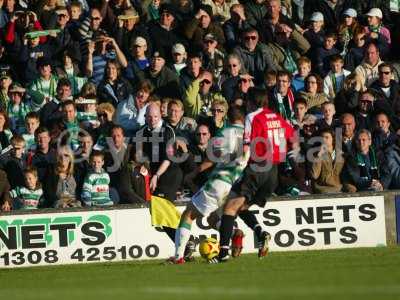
250, 37
102, 115
244, 80
233, 66
217, 110
206, 81
60, 16
384, 72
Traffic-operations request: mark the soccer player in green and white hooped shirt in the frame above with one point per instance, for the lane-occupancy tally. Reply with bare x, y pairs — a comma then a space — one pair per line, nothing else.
30, 195
228, 147
96, 190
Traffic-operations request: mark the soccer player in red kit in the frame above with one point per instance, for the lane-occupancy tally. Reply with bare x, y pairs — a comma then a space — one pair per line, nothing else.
266, 136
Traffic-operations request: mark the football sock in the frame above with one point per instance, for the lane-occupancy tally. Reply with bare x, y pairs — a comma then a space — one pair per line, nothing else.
250, 220
217, 226
182, 236
225, 232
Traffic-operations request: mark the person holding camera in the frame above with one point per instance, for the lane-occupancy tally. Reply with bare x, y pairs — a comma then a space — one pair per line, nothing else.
199, 96
100, 50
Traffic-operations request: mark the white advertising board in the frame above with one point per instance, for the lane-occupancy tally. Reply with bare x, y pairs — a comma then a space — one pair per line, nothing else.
126, 234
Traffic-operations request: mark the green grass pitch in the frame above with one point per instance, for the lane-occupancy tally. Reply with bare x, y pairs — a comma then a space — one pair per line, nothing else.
369, 273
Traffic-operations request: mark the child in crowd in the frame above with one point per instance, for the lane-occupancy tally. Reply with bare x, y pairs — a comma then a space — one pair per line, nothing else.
269, 78
315, 33
300, 110
324, 53
17, 108
5, 83
375, 28
179, 56
334, 81
304, 68
31, 124
95, 190
355, 53
30, 195
328, 110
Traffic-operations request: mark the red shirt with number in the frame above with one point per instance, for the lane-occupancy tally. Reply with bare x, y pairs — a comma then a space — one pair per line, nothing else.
267, 134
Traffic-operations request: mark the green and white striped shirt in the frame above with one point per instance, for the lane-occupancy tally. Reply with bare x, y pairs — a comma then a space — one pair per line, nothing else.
30, 143
17, 114
96, 191
30, 198
229, 142
41, 89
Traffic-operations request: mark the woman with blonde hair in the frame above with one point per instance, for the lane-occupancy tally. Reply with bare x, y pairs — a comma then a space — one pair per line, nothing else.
347, 98
59, 186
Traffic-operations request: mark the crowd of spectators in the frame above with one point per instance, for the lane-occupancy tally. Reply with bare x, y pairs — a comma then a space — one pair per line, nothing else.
96, 96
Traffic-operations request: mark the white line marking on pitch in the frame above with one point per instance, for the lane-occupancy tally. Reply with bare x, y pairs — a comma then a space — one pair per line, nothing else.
322, 290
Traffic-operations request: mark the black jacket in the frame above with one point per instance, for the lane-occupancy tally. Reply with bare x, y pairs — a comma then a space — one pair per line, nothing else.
114, 93
132, 188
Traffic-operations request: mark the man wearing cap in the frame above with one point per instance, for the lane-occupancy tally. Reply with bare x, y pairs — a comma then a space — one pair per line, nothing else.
179, 57
129, 28
163, 34
138, 61
201, 25
362, 7
213, 59
163, 79
5, 82
18, 107
331, 10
